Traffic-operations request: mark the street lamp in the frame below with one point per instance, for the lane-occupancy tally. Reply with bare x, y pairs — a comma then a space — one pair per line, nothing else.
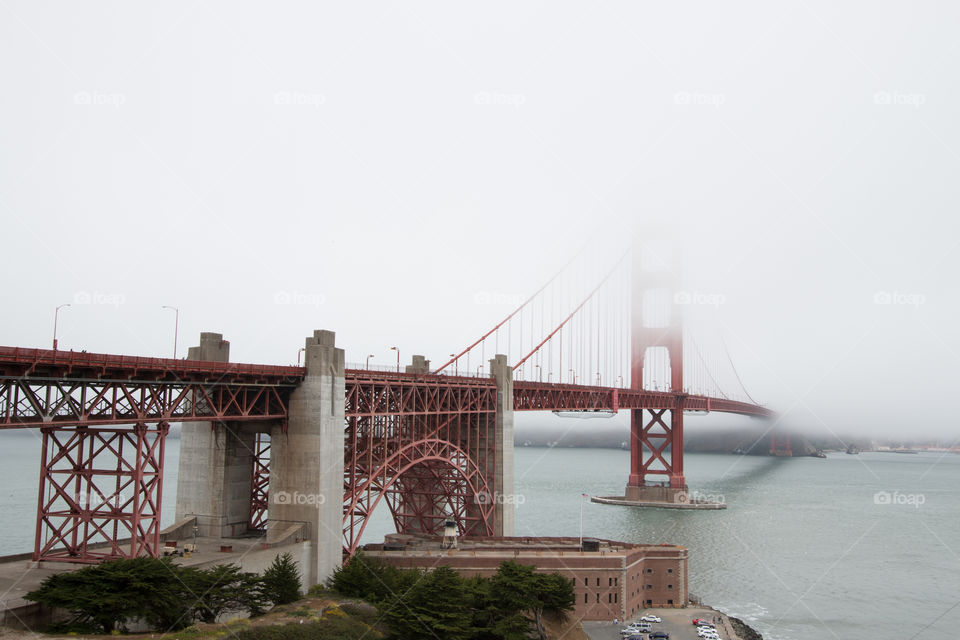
55, 314
620, 383
299, 351
368, 360
599, 383
176, 328
397, 349
479, 366
456, 362
573, 374
539, 372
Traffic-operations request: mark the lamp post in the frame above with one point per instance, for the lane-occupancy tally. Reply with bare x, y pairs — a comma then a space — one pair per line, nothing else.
539, 372
176, 328
56, 314
368, 360
397, 349
599, 380
456, 370
299, 351
573, 374
479, 366
582, 496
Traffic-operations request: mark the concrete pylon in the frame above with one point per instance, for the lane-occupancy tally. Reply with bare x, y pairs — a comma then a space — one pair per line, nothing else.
504, 487
216, 463
419, 364
306, 462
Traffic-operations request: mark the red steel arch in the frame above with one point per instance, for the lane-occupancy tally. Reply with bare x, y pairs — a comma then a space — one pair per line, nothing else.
422, 501
426, 443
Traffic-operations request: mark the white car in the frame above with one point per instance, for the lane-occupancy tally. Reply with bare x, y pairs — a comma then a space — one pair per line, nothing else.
651, 618
708, 634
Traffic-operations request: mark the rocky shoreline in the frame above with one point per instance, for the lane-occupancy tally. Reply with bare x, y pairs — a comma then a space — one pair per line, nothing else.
743, 630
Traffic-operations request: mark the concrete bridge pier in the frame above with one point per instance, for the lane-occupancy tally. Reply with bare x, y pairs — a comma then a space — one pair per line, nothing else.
307, 462
503, 474
216, 463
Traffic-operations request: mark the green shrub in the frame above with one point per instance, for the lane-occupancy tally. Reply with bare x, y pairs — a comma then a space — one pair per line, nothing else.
281, 581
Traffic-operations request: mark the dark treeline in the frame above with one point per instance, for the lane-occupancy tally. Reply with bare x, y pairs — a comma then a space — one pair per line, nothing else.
441, 604
156, 592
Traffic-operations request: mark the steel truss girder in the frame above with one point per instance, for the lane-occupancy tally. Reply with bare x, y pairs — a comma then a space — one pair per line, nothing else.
30, 402
541, 396
100, 493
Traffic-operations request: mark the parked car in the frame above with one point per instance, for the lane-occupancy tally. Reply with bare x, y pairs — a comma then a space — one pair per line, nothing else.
659, 635
651, 618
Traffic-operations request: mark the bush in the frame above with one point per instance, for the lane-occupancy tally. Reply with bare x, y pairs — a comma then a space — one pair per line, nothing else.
108, 595
281, 581
372, 580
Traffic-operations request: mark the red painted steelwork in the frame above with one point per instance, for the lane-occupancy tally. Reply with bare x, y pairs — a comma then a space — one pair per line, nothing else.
425, 443
100, 493
260, 493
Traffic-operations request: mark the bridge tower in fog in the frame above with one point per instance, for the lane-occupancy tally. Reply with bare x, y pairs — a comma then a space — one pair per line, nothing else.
656, 434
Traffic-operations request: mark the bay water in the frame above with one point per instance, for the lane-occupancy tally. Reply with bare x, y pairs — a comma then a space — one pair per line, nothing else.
851, 546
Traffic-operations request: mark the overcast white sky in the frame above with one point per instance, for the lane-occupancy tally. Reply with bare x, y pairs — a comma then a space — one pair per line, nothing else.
370, 167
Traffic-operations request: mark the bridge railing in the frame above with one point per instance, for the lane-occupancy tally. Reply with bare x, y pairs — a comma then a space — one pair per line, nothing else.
49, 357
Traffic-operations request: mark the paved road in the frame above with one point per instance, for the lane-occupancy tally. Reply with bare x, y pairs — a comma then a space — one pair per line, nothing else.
676, 622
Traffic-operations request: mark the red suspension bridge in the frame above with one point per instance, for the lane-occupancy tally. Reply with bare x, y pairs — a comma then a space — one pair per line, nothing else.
318, 447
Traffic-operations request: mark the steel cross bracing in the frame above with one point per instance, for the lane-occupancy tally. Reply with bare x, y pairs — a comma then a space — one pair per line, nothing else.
423, 442
100, 493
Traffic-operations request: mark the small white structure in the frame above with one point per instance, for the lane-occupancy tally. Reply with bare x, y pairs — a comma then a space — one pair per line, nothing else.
450, 534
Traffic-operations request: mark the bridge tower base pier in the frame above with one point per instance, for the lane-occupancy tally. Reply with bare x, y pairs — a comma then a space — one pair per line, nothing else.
307, 461
503, 473
650, 438
215, 479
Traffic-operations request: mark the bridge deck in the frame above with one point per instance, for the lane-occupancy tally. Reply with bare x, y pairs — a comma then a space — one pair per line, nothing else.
227, 390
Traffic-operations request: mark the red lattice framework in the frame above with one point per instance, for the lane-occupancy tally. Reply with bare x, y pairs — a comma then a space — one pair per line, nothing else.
100, 493
260, 492
424, 443
104, 420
